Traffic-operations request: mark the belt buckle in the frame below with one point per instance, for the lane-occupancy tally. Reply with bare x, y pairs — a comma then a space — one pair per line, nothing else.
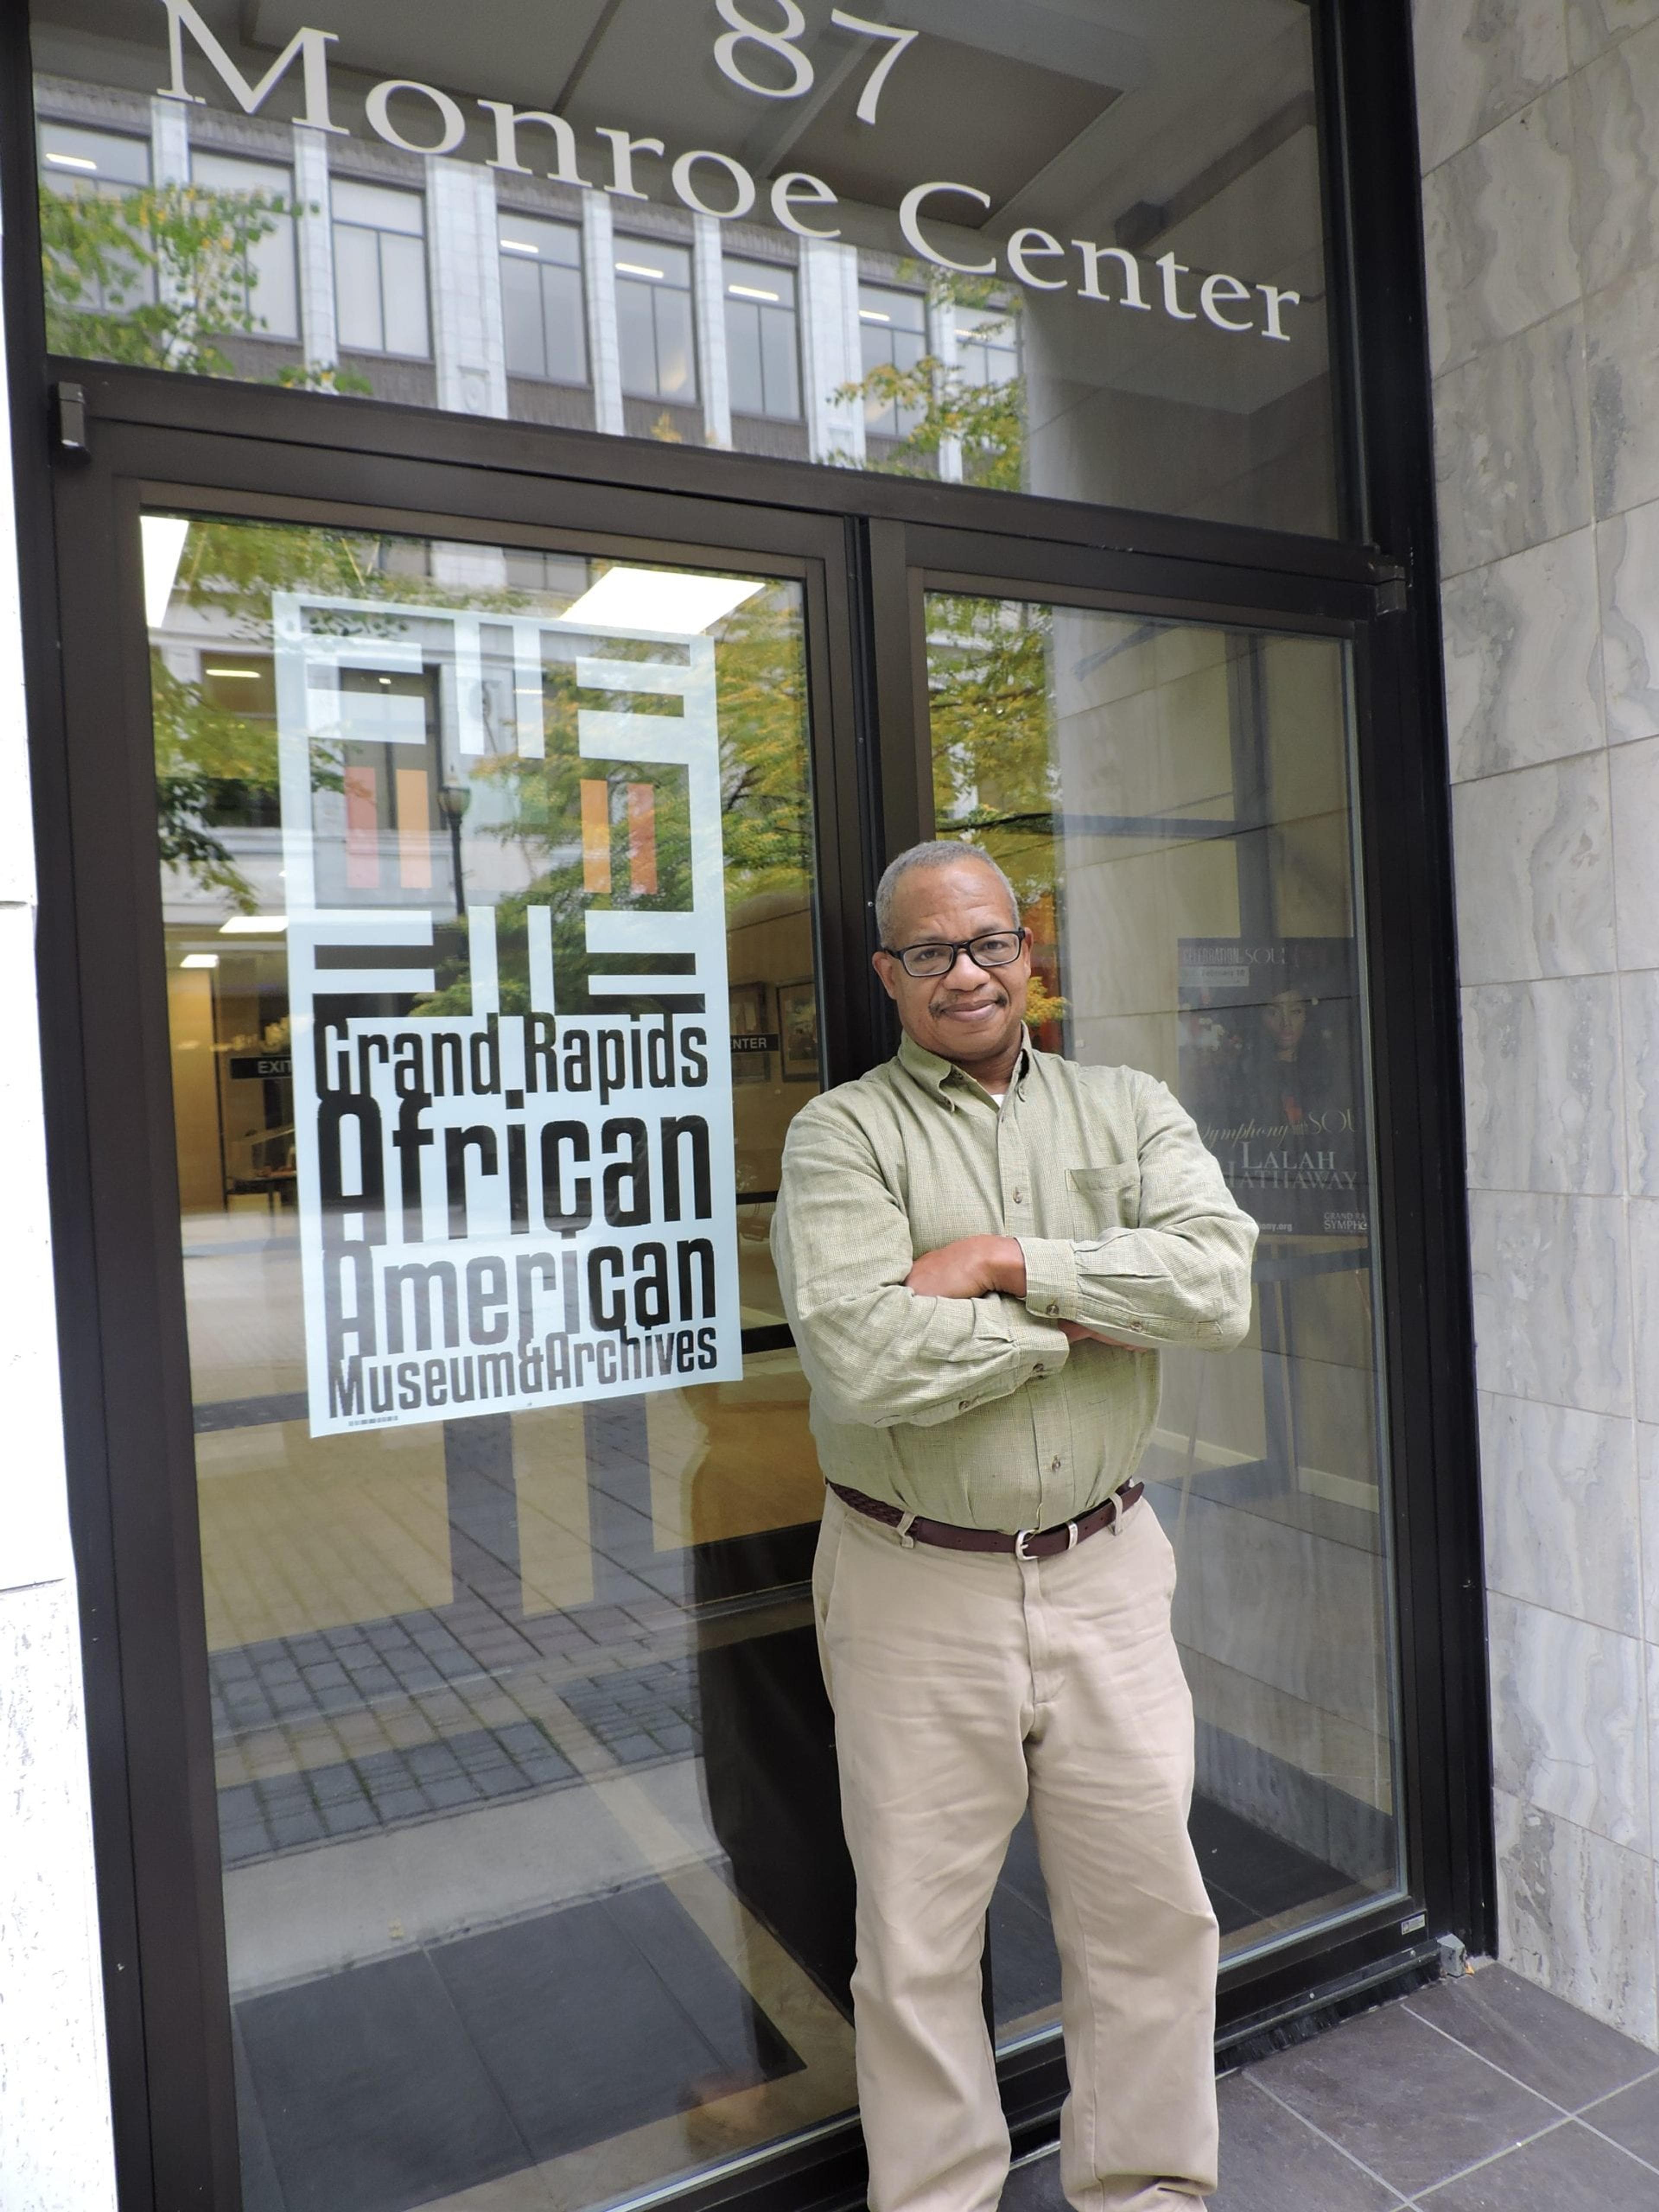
1020, 1551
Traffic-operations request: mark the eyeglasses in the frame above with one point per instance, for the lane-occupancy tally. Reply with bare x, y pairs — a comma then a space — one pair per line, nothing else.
997, 948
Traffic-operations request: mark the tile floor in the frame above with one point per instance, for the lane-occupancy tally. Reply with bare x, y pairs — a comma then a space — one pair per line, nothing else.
1481, 2094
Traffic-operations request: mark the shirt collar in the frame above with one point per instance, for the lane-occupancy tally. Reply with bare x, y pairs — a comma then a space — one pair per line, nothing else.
934, 1073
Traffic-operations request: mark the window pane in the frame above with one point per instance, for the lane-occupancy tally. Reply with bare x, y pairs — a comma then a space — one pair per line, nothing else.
534, 1892
781, 360
69, 156
521, 317
357, 288
273, 289
636, 338
1174, 804
743, 357
764, 281
402, 275
380, 206
564, 319
526, 235
677, 373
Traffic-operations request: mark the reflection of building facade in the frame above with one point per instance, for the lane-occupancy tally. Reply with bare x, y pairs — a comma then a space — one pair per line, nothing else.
1043, 456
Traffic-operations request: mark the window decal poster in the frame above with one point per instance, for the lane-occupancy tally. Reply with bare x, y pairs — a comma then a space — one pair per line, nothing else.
1270, 1069
502, 1206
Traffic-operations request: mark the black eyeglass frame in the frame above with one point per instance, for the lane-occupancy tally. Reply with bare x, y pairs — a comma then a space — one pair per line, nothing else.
1021, 937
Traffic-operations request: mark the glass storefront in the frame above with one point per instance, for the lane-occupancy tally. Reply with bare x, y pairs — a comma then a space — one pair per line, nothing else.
1174, 805
525, 1801
466, 1788
1078, 251
524, 1784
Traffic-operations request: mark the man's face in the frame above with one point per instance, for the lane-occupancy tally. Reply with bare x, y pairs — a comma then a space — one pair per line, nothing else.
972, 1014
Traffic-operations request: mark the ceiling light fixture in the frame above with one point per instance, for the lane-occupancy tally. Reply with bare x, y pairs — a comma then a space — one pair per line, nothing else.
872, 315
516, 246
200, 960
639, 269
241, 675
72, 161
253, 925
662, 599
750, 292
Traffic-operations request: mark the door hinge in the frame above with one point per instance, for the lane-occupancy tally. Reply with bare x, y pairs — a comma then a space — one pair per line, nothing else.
69, 418
1391, 596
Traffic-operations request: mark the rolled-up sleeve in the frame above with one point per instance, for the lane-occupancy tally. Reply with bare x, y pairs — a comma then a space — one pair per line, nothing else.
1181, 1275
873, 1351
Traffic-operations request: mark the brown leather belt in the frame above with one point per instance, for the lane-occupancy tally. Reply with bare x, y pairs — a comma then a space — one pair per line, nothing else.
1024, 1544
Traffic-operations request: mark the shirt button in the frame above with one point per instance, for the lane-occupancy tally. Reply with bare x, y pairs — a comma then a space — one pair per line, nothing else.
1038, 1368
1020, 1198
1054, 1305
1054, 1466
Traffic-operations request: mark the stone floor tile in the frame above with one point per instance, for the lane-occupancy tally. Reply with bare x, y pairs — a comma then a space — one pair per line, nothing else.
1543, 2041
1272, 2161
1632, 2118
1569, 2170
1409, 2104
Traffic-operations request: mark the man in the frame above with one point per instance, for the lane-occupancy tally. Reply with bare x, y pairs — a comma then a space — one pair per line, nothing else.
980, 1248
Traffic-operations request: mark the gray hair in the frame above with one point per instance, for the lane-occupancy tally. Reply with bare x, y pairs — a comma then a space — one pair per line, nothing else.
938, 852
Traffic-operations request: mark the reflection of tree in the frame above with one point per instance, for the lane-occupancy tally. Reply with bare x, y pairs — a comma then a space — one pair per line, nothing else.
987, 421
996, 780
215, 766
155, 276
766, 831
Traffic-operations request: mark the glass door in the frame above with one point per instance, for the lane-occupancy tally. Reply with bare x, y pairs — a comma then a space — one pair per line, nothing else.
493, 981
1175, 802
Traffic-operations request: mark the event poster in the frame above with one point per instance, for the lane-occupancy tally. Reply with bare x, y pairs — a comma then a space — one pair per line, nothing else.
502, 1206
1270, 1070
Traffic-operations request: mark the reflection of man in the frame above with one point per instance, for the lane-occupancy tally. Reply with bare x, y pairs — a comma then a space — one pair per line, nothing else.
981, 1248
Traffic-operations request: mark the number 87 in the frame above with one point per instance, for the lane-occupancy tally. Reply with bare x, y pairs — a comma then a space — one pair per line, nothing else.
782, 43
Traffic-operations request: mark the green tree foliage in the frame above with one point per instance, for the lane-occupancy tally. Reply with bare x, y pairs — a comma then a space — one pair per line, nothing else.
986, 420
155, 275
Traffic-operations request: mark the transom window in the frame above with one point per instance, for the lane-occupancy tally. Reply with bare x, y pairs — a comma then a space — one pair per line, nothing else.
762, 343
542, 299
271, 291
379, 268
893, 332
655, 327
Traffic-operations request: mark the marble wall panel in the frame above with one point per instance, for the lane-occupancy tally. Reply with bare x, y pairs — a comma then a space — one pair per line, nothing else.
1497, 222
1479, 61
1621, 340
1569, 1720
1532, 853
1551, 1299
1633, 793
1523, 658
1513, 430
1593, 24
1541, 1088
1644, 1304
1638, 999
1615, 132
55, 2148
1563, 1522
1647, 1485
1575, 1914
1627, 563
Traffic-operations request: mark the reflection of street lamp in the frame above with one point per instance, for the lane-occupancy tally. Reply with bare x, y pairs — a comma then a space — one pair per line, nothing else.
453, 800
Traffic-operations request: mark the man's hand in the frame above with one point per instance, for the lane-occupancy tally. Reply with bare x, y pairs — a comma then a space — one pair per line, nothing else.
970, 1268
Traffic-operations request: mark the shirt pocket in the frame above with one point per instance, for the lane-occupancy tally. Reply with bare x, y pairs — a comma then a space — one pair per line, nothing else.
1102, 1200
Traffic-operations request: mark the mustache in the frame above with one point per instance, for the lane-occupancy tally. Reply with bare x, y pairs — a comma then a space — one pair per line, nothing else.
997, 997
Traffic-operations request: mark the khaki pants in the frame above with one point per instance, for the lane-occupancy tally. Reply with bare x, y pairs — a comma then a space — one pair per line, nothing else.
963, 1683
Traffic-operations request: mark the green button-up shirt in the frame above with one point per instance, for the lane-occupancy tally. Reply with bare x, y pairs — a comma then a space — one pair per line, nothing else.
980, 1411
